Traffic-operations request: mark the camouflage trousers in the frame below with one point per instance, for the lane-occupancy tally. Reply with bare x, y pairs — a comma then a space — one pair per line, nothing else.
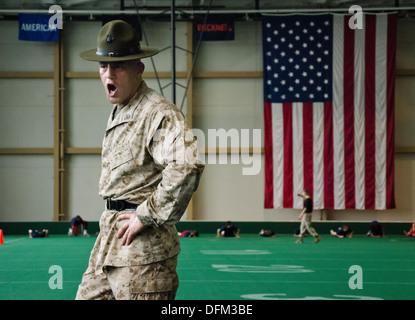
155, 281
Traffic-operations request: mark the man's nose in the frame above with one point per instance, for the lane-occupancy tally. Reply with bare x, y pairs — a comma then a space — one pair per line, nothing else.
110, 72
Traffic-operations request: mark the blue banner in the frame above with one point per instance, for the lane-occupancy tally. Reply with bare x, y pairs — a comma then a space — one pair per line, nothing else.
35, 27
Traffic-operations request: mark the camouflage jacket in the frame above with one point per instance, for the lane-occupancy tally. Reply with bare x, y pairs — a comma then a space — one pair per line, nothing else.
150, 158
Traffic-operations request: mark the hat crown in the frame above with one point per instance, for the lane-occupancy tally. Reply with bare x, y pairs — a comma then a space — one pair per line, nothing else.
117, 39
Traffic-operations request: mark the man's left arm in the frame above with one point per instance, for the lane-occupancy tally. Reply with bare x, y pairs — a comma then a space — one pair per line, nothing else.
174, 147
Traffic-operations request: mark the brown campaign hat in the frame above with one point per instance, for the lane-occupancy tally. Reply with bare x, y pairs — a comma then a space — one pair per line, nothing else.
118, 41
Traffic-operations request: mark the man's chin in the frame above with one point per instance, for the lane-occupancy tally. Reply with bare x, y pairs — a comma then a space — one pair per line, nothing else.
112, 100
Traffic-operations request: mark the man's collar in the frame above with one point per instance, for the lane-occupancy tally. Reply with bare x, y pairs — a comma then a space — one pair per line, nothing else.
126, 113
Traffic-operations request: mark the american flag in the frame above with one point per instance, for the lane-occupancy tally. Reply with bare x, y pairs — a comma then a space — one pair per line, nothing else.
329, 110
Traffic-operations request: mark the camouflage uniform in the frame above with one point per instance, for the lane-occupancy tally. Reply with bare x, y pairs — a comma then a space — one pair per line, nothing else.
149, 158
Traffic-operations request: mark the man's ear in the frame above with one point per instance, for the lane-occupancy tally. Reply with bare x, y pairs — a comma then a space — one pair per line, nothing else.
141, 68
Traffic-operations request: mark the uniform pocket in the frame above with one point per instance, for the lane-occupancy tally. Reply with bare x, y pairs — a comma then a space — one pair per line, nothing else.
153, 286
157, 289
121, 155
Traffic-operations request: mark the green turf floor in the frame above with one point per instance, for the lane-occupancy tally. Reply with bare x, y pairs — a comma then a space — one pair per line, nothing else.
213, 268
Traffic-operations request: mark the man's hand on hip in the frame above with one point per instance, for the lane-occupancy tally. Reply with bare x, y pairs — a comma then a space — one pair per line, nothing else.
130, 229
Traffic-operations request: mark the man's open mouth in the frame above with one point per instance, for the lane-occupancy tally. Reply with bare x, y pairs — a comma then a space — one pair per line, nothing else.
111, 89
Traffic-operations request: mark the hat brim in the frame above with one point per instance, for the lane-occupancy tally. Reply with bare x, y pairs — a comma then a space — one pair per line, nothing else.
91, 55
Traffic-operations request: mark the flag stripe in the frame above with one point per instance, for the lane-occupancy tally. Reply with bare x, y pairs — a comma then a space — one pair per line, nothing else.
359, 121
288, 155
278, 161
318, 155
348, 111
308, 146
338, 113
269, 172
298, 154
328, 156
390, 106
370, 47
380, 121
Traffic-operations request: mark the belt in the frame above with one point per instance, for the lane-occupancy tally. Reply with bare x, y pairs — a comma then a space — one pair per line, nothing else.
119, 205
